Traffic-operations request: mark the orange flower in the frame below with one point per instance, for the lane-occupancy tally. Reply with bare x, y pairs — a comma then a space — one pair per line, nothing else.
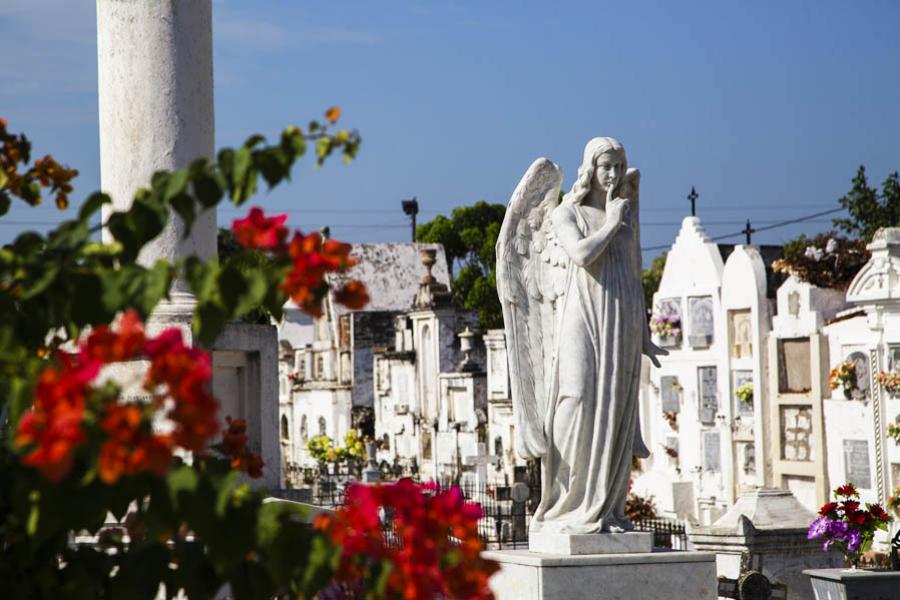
130, 448
234, 442
353, 295
55, 424
333, 114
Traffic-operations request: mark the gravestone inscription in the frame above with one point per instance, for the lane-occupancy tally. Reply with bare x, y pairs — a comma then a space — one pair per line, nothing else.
856, 463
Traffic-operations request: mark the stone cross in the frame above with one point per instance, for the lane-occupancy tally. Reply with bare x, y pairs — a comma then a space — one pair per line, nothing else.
481, 460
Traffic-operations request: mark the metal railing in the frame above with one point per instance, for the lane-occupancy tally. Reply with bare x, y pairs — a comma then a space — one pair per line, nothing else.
507, 512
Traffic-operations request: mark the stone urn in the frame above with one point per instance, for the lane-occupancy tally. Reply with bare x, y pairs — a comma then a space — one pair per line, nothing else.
854, 584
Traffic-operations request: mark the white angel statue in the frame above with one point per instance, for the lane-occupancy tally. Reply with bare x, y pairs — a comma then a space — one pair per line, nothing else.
569, 281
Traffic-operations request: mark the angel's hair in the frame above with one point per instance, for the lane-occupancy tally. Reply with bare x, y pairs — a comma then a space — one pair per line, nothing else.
592, 151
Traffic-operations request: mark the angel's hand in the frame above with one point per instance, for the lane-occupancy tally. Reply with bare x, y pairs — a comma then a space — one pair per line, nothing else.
651, 351
616, 210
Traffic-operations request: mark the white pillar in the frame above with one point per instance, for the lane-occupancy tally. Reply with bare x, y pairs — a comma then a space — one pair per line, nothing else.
156, 110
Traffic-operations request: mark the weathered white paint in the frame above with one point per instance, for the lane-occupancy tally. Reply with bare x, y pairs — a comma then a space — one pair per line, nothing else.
155, 78
744, 288
693, 268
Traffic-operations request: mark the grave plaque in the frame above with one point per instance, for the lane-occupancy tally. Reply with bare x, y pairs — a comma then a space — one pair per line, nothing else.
794, 304
793, 366
700, 311
796, 433
709, 399
893, 357
740, 329
742, 378
669, 390
861, 366
856, 463
749, 462
711, 451
672, 443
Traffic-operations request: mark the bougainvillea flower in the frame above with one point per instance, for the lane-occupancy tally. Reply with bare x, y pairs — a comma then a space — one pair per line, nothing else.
256, 230
106, 345
234, 442
353, 295
53, 428
438, 553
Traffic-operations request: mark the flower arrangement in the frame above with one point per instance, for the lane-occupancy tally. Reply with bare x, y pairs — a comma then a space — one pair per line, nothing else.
322, 448
744, 394
893, 501
671, 418
639, 507
296, 378
842, 524
666, 322
843, 376
889, 380
826, 260
893, 430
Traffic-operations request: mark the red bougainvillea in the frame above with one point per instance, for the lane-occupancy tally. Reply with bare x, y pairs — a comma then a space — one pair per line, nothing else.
311, 257
68, 409
256, 230
432, 548
234, 443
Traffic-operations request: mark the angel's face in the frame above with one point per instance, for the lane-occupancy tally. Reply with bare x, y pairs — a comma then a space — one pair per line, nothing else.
608, 170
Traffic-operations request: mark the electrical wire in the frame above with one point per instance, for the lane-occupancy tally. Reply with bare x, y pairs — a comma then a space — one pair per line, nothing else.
759, 229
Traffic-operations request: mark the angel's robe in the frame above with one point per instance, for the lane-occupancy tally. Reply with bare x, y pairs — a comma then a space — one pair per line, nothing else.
593, 391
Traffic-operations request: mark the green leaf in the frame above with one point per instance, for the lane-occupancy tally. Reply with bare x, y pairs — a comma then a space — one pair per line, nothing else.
208, 322
181, 480
243, 183
176, 184
226, 489
184, 206
157, 281
43, 280
293, 143
87, 287
254, 140
273, 165
241, 291
93, 203
141, 223
323, 149
208, 186
5, 201
27, 243
34, 513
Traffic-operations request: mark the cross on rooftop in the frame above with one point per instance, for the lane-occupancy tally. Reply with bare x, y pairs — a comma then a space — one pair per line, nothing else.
481, 460
693, 198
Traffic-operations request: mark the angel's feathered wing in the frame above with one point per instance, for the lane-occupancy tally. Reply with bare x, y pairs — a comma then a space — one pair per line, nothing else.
528, 283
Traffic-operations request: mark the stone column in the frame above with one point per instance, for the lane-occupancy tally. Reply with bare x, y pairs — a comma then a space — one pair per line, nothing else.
155, 79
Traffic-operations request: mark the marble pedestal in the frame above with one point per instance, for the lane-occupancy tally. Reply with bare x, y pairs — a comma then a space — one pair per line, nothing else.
526, 575
590, 543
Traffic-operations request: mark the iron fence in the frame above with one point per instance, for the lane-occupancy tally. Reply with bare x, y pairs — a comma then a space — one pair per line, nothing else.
667, 533
507, 509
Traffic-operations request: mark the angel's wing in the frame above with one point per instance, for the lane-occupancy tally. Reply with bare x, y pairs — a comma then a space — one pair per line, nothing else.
527, 259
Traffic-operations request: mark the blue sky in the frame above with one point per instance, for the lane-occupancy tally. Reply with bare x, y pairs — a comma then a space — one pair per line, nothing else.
767, 107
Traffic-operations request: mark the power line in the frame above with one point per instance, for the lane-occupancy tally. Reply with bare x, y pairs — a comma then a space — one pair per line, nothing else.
766, 228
